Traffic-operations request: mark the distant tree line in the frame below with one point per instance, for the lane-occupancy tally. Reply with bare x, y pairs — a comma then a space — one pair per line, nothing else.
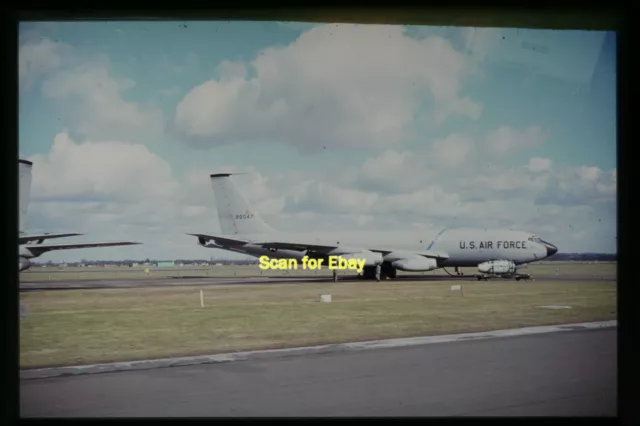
149, 262
583, 257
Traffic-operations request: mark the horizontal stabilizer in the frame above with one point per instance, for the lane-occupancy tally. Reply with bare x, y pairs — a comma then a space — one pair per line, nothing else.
38, 249
226, 240
217, 175
23, 239
295, 246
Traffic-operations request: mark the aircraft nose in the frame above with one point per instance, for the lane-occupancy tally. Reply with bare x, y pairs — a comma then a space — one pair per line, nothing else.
551, 249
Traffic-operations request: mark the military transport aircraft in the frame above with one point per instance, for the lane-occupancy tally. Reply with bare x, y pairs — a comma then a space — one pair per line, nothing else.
27, 250
495, 252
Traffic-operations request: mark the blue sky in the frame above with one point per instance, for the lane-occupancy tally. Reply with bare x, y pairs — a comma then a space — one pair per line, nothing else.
491, 126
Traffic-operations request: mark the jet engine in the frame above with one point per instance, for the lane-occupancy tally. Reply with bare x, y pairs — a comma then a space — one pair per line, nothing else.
415, 264
370, 258
497, 267
23, 264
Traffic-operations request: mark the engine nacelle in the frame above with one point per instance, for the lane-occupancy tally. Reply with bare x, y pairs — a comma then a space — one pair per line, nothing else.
497, 267
23, 264
397, 255
370, 258
415, 264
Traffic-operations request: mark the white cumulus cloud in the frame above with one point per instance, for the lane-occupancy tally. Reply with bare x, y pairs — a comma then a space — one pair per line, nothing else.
38, 57
506, 139
537, 164
336, 85
91, 98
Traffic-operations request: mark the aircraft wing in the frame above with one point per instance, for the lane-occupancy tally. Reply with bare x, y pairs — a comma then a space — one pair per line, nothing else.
323, 248
23, 239
429, 253
38, 249
301, 246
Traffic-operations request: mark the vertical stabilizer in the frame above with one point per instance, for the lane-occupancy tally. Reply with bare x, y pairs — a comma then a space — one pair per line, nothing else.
234, 212
24, 178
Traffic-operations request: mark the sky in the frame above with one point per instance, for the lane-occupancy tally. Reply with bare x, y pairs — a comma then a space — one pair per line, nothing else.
360, 128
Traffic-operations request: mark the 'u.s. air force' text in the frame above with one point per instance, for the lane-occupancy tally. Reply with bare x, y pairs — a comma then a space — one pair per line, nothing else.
493, 244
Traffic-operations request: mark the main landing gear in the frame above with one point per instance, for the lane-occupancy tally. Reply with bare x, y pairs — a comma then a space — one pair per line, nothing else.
380, 272
458, 271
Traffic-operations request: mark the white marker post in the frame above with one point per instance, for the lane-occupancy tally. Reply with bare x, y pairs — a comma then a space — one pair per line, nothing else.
459, 287
201, 299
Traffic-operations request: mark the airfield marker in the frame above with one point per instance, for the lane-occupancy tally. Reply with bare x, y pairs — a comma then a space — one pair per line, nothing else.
458, 287
201, 299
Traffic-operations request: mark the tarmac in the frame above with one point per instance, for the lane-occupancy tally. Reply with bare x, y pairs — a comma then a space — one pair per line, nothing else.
170, 281
570, 373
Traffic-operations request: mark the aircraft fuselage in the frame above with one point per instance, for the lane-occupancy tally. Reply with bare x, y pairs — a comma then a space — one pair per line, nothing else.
464, 247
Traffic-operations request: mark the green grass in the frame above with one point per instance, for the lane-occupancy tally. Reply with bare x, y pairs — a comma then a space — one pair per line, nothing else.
81, 327
604, 270
70, 274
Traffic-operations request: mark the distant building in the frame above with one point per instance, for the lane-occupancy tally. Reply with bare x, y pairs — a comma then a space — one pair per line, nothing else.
165, 264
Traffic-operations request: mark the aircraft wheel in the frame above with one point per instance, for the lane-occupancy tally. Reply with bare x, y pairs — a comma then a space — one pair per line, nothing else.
517, 278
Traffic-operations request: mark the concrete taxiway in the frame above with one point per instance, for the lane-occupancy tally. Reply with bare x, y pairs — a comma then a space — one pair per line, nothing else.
169, 281
571, 373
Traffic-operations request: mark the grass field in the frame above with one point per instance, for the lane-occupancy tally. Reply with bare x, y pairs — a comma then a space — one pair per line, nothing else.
81, 327
69, 274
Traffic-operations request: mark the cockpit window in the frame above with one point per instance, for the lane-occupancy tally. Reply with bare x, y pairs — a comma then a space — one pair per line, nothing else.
535, 239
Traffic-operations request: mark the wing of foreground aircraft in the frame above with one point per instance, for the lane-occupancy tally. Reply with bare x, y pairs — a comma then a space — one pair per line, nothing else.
23, 239
38, 249
302, 246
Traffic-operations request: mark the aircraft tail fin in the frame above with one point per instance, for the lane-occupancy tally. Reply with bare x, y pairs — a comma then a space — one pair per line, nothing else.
24, 176
236, 215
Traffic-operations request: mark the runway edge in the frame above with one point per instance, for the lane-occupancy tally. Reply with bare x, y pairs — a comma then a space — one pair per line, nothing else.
321, 349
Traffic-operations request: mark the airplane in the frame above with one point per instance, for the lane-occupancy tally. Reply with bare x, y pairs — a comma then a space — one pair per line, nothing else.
495, 252
27, 250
